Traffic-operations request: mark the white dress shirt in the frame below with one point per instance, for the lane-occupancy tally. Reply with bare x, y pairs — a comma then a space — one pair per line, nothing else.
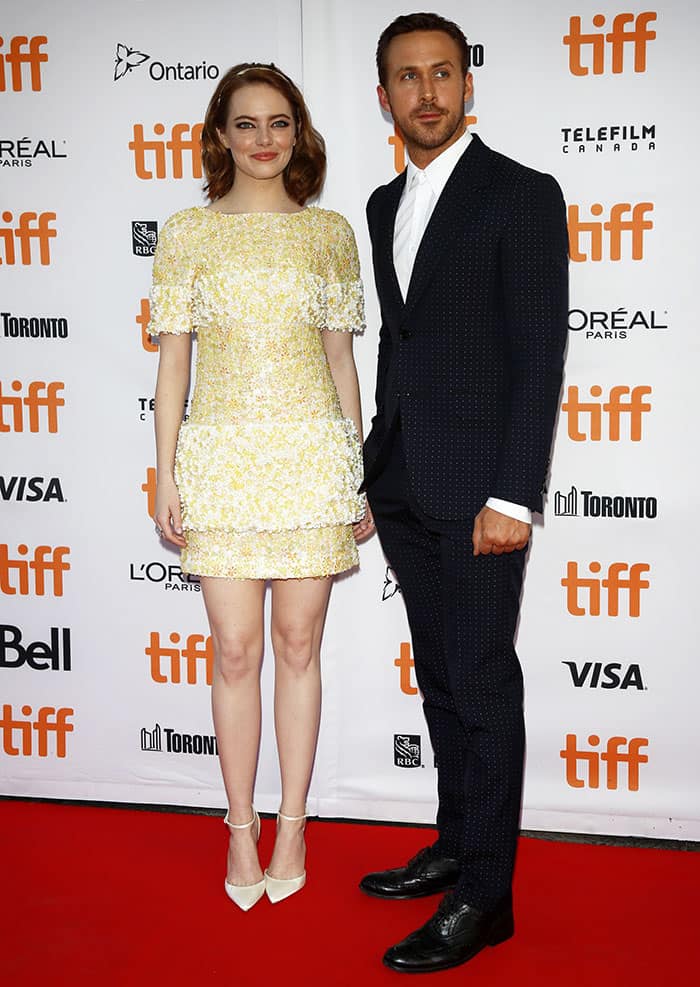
421, 192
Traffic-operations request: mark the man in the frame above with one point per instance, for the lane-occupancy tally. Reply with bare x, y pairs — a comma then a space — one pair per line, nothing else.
470, 258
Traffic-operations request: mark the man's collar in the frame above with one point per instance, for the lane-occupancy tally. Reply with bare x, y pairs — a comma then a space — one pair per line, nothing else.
440, 169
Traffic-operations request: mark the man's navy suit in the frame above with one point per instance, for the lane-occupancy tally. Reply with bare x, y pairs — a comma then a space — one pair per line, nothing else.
469, 375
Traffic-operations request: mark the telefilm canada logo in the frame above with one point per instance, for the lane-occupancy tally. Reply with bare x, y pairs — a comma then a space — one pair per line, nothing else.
613, 138
127, 59
407, 750
144, 237
621, 323
586, 503
170, 741
23, 152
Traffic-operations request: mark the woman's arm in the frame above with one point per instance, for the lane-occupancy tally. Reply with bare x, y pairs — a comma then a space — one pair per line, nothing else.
171, 390
338, 347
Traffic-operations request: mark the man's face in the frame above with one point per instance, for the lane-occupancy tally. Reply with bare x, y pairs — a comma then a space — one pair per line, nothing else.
425, 91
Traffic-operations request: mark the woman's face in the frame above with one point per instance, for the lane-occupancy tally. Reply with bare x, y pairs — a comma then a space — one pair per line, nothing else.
260, 131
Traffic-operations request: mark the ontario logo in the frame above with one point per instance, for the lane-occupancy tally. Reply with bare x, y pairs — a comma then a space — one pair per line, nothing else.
127, 59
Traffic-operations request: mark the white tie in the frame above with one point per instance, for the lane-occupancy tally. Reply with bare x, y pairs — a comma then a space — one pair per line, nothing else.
411, 220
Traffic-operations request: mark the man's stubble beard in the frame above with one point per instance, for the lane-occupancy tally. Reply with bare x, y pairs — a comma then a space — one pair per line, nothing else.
427, 137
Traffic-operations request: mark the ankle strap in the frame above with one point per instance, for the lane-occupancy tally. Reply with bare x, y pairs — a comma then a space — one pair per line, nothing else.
291, 818
241, 825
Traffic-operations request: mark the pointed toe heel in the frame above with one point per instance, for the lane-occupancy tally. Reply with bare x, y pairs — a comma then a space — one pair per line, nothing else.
246, 895
279, 888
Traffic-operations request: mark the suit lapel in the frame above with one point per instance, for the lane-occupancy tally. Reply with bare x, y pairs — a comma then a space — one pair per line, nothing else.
385, 251
472, 172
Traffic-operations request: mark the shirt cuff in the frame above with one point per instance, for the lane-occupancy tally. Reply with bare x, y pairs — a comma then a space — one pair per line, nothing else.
516, 511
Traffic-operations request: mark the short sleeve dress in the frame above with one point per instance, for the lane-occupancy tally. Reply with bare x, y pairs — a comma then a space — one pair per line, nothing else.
267, 467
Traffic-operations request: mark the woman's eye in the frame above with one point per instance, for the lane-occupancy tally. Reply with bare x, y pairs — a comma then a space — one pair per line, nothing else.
281, 123
244, 125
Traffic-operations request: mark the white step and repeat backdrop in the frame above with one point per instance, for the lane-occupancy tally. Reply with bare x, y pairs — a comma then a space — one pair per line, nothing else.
104, 653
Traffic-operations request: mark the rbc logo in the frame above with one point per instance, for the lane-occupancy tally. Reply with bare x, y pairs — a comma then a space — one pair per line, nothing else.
22, 51
24, 732
197, 652
627, 29
612, 757
33, 401
179, 145
31, 228
614, 583
614, 408
636, 226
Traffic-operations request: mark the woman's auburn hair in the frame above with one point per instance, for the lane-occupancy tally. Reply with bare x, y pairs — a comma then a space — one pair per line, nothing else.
306, 170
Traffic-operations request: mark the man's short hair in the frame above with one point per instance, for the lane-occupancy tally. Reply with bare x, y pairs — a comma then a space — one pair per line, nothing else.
407, 24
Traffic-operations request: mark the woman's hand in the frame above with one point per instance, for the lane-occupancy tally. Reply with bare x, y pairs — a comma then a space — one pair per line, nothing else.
364, 528
168, 518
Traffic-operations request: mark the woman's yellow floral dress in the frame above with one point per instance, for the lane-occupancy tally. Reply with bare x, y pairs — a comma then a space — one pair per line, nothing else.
267, 468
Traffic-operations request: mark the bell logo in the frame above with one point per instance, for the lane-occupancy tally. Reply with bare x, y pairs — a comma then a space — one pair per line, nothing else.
22, 51
143, 319
627, 30
613, 584
397, 142
622, 401
29, 576
404, 663
636, 226
39, 395
179, 144
27, 737
612, 757
31, 228
198, 652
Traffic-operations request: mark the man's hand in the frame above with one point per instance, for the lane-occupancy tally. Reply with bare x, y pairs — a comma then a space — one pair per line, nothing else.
496, 533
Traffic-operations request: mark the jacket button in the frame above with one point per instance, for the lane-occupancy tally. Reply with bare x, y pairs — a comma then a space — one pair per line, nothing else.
405, 333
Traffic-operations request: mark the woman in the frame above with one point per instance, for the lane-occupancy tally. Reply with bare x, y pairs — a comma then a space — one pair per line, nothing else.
263, 483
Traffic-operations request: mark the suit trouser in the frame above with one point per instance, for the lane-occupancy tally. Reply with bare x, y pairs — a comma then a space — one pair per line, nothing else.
462, 612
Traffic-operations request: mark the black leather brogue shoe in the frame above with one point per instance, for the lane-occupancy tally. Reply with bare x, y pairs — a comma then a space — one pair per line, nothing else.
454, 935
426, 873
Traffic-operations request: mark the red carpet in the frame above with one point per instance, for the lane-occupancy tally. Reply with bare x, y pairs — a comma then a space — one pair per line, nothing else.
116, 897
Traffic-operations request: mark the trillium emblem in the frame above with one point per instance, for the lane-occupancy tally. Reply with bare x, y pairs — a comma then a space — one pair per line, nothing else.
391, 586
126, 60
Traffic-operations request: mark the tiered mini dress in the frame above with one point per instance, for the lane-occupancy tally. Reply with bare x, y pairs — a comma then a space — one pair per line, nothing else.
267, 467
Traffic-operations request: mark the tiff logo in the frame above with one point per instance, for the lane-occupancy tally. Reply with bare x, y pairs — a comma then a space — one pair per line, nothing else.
614, 408
23, 51
32, 735
149, 488
628, 30
29, 576
614, 584
40, 395
404, 663
590, 233
612, 757
150, 159
143, 320
198, 652
32, 228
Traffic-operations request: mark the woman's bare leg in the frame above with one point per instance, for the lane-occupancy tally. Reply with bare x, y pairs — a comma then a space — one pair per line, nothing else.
235, 611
